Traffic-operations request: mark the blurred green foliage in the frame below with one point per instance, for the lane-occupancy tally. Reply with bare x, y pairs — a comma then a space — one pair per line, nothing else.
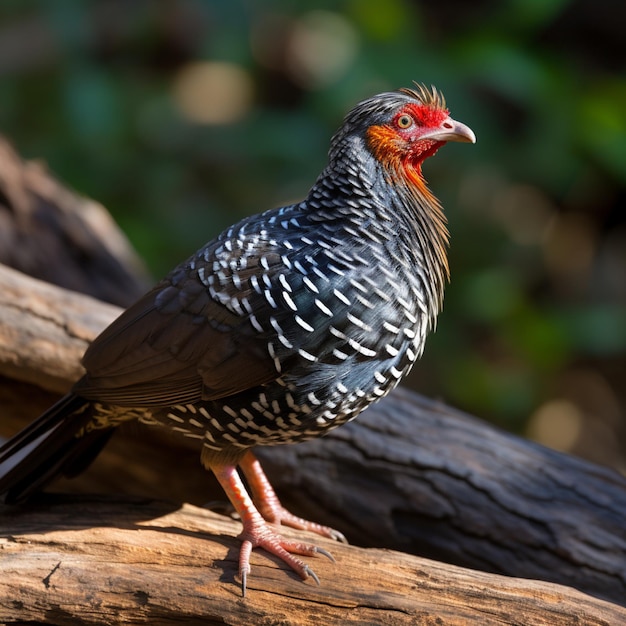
536, 208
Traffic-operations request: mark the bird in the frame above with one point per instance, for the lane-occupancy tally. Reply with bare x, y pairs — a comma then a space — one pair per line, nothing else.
288, 324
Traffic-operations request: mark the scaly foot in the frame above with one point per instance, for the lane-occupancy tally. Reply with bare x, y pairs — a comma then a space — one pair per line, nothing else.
269, 505
258, 534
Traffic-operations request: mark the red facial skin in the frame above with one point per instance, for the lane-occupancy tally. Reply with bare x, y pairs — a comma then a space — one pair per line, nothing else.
406, 142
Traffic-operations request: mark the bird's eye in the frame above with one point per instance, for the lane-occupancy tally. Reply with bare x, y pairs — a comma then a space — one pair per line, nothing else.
404, 121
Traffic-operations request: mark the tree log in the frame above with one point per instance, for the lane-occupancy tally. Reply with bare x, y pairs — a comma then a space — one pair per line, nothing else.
100, 561
44, 330
409, 474
51, 233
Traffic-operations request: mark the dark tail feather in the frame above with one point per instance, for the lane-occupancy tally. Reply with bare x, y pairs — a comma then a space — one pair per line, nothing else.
49, 447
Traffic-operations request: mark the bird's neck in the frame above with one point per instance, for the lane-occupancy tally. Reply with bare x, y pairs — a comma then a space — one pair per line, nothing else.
425, 221
398, 209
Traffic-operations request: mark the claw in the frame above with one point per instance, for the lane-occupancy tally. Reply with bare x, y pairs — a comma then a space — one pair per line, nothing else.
326, 553
337, 536
309, 572
244, 581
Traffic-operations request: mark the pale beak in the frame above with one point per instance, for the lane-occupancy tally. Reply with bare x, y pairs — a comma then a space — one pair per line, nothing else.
451, 130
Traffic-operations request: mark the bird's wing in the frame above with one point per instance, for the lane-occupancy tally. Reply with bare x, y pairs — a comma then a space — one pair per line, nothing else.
184, 341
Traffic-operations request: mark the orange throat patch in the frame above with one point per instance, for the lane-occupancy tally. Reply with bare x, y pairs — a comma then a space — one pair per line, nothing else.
398, 160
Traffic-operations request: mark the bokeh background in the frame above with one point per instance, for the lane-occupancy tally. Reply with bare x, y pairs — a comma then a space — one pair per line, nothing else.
184, 116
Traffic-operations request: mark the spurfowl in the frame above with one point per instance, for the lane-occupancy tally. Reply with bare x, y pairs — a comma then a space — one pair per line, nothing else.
285, 326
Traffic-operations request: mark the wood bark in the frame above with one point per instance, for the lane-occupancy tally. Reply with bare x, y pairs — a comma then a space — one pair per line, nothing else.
409, 474
103, 561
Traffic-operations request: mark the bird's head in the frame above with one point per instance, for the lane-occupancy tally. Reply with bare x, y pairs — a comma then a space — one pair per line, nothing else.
404, 128
401, 129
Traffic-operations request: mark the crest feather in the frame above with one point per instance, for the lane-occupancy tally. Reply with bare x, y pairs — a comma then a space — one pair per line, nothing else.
428, 97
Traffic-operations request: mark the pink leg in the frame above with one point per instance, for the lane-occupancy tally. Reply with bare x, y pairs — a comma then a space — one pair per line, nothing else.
269, 505
257, 534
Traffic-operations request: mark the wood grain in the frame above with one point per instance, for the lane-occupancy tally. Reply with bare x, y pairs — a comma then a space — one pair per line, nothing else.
100, 561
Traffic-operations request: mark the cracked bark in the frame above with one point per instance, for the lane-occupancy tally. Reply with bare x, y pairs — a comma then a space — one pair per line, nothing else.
410, 474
